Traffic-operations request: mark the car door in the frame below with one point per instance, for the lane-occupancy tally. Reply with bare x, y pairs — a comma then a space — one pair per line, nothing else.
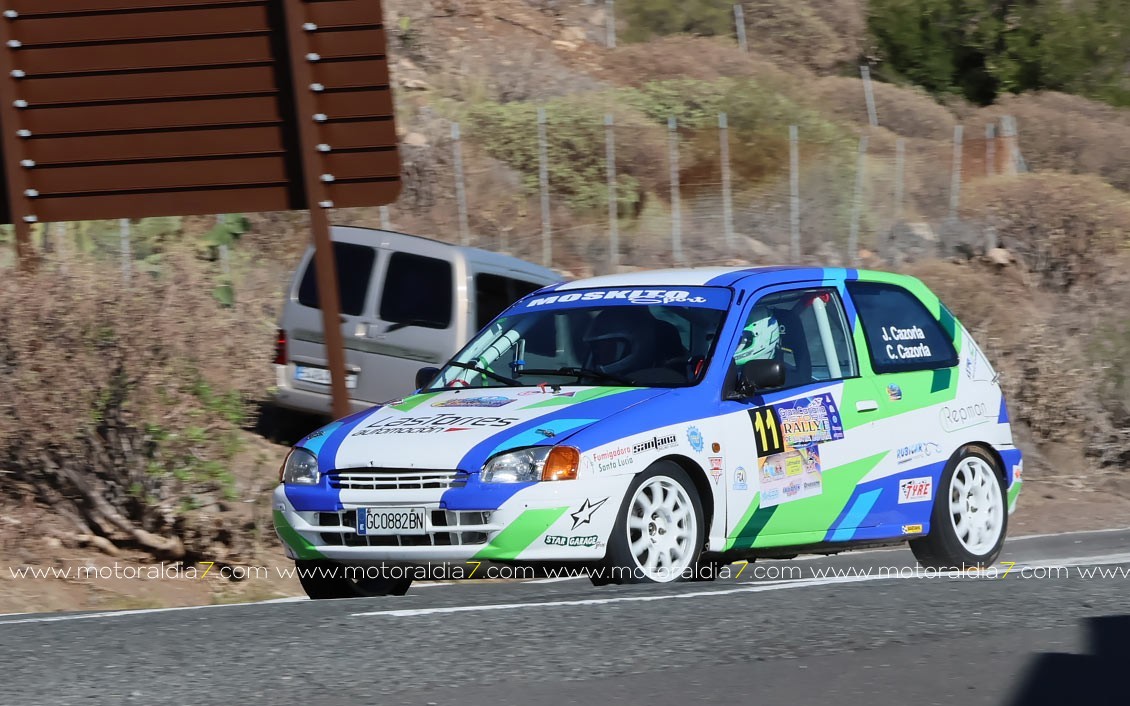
908, 352
806, 464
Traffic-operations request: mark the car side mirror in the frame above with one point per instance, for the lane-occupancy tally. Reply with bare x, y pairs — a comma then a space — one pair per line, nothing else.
425, 376
761, 375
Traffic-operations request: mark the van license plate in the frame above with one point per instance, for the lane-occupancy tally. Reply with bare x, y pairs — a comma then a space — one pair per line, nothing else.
391, 520
321, 376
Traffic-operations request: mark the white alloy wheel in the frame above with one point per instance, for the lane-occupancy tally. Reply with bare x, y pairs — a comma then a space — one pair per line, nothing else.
662, 528
976, 508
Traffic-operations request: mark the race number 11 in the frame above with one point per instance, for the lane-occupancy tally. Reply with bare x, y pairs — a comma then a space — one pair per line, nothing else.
767, 426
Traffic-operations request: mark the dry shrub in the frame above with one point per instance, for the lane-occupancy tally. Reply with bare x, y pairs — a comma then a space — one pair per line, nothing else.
820, 34
909, 112
700, 58
122, 402
1065, 229
1068, 133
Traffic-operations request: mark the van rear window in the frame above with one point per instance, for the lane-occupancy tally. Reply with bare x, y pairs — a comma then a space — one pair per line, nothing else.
354, 270
418, 291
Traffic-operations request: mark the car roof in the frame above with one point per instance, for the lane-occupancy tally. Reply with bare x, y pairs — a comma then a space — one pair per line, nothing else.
358, 235
744, 278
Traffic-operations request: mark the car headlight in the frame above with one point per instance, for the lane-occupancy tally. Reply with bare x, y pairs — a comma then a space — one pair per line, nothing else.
533, 464
300, 467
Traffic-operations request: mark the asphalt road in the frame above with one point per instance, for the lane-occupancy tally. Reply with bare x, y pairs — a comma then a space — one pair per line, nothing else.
1040, 635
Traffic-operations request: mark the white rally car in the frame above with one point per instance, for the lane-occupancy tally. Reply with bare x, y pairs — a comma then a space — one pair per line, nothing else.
647, 426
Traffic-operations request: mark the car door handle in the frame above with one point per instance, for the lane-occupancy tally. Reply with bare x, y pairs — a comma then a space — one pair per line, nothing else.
866, 406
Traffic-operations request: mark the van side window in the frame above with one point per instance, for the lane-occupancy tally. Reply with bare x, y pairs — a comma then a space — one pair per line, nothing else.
902, 335
494, 293
805, 330
354, 265
418, 291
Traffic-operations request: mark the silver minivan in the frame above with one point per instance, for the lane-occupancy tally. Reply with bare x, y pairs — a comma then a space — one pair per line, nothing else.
406, 302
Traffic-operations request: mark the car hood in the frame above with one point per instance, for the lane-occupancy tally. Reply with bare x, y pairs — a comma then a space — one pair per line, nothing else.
460, 429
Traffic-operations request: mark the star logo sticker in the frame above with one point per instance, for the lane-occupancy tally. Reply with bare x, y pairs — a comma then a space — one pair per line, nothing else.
584, 515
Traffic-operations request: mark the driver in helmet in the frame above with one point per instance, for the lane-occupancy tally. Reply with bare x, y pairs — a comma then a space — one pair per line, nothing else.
761, 338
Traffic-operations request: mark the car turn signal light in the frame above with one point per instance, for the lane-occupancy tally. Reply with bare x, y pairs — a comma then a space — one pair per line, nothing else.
561, 464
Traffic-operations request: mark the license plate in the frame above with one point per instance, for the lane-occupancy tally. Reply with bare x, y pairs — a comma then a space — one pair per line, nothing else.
392, 520
321, 376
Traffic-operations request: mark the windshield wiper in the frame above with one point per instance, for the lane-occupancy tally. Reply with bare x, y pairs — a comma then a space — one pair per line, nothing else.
490, 374
578, 373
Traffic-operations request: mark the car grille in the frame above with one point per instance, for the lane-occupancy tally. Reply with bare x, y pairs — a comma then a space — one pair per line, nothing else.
447, 528
395, 479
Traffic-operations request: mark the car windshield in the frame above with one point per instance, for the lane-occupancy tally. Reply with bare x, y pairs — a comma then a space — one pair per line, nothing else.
618, 337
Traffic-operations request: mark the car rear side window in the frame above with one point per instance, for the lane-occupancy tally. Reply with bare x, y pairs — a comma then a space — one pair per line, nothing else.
902, 335
493, 293
418, 291
354, 265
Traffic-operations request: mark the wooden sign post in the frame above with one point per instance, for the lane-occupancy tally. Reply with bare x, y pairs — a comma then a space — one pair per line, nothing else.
135, 108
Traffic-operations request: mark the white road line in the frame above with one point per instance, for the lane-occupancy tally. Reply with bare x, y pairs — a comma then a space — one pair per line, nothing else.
1068, 534
751, 587
802, 583
557, 579
140, 611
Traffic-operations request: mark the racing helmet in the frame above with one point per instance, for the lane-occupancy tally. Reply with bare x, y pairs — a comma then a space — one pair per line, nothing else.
621, 340
761, 338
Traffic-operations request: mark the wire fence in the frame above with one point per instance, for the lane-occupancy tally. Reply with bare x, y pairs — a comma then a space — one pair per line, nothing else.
705, 197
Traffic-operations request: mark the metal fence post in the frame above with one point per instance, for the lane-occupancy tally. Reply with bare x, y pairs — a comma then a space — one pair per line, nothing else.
543, 185
613, 203
127, 249
794, 194
857, 202
739, 24
676, 204
869, 96
900, 178
727, 187
62, 247
386, 220
990, 149
610, 23
955, 178
460, 186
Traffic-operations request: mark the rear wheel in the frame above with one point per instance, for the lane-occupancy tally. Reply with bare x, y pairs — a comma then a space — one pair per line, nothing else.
658, 535
327, 579
969, 520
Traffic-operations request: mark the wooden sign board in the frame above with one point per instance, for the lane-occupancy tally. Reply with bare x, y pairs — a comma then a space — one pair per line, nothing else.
134, 108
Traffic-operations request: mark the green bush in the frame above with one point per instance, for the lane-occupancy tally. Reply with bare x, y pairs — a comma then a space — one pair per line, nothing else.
645, 19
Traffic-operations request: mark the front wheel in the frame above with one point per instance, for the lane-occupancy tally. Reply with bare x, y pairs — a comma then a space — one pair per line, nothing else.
969, 520
658, 536
326, 579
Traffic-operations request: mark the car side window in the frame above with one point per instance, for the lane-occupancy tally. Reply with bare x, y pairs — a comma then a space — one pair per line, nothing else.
805, 330
418, 291
902, 335
354, 265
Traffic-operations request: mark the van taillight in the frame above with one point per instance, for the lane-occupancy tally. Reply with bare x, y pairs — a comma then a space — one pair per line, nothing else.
280, 348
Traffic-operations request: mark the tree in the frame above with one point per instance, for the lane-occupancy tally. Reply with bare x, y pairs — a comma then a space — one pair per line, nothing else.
980, 48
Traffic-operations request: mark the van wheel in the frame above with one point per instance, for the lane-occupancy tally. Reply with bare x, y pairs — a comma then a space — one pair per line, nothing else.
969, 520
658, 536
326, 579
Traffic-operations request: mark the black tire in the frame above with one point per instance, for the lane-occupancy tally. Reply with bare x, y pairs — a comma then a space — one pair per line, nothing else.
943, 548
620, 565
327, 580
